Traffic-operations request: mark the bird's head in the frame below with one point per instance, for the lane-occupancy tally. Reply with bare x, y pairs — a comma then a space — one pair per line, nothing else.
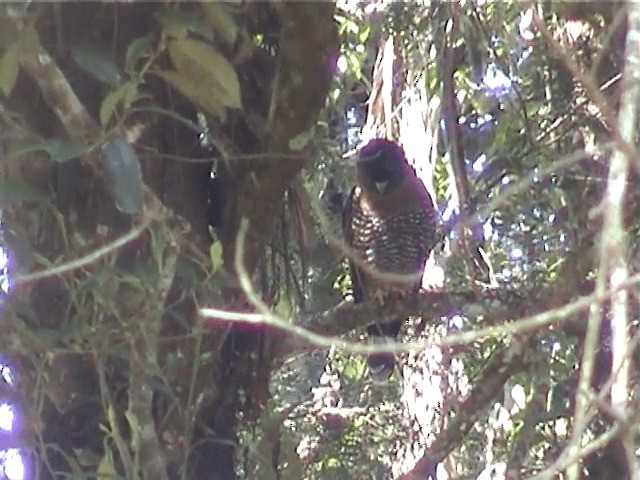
381, 164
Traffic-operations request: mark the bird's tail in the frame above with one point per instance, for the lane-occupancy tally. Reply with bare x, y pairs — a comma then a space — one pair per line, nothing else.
381, 364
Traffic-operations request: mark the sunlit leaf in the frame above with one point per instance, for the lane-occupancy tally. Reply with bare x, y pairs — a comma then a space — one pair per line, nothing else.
363, 34
354, 62
106, 468
135, 427
354, 368
124, 175
198, 59
283, 308
9, 69
215, 254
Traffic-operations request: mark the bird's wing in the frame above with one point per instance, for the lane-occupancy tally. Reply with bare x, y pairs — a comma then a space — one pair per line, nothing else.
347, 233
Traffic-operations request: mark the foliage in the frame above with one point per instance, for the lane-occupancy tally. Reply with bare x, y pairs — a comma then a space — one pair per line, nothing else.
137, 141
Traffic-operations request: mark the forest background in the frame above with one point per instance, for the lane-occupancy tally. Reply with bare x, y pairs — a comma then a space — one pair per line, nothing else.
176, 304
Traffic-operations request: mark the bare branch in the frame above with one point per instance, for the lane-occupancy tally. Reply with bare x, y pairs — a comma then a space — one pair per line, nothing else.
476, 266
144, 363
60, 96
496, 307
612, 268
614, 245
500, 368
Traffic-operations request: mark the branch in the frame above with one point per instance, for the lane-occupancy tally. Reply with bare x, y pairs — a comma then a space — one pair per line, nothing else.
144, 364
80, 125
308, 49
476, 265
614, 244
91, 257
346, 316
528, 434
504, 312
320, 330
500, 368
59, 95
613, 267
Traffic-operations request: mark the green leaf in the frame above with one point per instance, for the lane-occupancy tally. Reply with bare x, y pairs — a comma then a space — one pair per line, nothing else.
354, 368
172, 28
96, 62
218, 16
157, 250
198, 59
176, 24
125, 93
354, 62
138, 48
135, 428
29, 42
363, 33
197, 89
59, 150
215, 254
283, 308
106, 467
9, 69
301, 140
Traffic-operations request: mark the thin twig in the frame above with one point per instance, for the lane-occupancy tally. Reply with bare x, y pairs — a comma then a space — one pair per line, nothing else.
85, 260
144, 363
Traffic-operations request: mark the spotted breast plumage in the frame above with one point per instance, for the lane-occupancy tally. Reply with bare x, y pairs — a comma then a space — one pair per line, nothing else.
389, 224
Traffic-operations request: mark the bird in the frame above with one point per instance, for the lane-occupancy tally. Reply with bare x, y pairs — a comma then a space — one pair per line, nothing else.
389, 226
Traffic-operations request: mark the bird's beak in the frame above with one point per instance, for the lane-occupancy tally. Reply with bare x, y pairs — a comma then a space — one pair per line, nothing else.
381, 186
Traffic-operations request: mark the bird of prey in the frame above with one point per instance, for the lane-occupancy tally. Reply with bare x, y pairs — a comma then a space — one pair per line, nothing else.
389, 225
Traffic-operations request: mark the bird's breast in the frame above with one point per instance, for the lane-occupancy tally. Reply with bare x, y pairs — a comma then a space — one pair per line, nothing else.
392, 245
